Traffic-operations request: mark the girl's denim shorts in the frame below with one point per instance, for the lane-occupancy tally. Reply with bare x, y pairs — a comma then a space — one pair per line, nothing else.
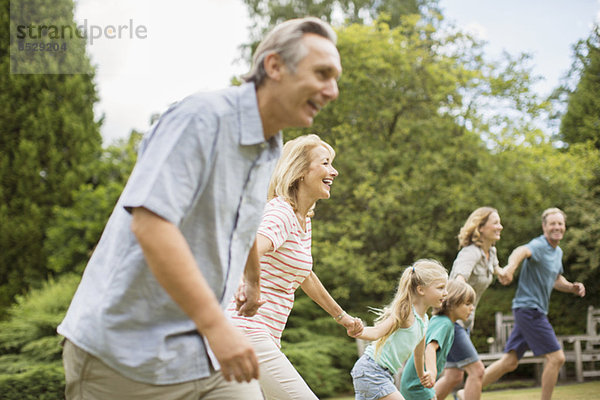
371, 380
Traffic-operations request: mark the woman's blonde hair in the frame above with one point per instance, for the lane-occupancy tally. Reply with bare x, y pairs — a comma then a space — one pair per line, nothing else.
469, 233
424, 272
292, 166
459, 293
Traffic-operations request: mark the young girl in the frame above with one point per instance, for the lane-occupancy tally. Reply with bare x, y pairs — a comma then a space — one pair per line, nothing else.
457, 305
398, 331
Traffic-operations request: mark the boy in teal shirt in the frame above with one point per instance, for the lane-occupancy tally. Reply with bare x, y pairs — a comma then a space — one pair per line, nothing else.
458, 304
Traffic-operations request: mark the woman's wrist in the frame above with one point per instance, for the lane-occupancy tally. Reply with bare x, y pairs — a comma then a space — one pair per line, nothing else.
339, 317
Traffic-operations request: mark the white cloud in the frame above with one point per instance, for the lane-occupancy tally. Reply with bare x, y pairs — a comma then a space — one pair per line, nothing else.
189, 46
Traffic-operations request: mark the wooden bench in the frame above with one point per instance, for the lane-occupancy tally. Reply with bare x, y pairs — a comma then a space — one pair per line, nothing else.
584, 350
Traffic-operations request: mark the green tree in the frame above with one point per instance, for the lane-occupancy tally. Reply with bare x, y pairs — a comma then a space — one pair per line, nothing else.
49, 137
581, 121
580, 129
353, 11
265, 14
77, 228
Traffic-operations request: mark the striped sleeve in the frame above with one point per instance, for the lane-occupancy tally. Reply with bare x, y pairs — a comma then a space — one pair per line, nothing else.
277, 223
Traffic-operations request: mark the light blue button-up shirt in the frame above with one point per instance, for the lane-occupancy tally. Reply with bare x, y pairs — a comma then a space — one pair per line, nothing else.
205, 166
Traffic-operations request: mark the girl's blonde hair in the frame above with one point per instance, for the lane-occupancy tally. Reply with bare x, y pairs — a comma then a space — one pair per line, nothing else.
424, 272
469, 233
292, 166
459, 292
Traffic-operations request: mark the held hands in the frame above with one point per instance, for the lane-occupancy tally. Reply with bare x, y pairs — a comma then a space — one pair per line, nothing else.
504, 276
233, 351
354, 326
247, 299
427, 380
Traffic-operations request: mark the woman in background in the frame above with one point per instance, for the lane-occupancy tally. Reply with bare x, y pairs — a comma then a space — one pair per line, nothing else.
476, 263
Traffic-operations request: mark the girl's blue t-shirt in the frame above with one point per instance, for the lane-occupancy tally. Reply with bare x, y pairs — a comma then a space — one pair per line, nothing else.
400, 345
441, 330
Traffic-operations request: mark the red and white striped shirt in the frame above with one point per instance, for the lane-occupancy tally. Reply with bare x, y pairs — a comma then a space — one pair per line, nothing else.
281, 270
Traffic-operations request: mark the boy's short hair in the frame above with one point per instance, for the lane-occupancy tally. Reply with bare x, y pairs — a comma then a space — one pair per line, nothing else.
459, 292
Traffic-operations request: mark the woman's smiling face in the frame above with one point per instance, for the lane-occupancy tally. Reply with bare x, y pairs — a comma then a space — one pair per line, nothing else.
317, 181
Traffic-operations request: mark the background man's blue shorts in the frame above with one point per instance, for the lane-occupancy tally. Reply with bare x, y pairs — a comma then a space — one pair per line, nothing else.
533, 331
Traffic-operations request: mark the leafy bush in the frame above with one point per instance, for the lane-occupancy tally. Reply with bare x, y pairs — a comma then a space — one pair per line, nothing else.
30, 351
37, 382
324, 362
319, 348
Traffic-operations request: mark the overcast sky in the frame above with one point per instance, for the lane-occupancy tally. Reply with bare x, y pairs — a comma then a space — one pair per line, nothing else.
184, 46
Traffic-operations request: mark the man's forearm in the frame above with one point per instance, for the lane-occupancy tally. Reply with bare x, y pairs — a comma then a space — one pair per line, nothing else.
516, 258
563, 285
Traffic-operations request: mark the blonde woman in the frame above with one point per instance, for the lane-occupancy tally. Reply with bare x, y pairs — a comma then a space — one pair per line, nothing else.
476, 263
303, 175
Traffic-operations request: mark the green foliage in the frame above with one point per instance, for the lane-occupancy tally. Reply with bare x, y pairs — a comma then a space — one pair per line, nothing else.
77, 229
583, 235
49, 138
353, 11
581, 122
30, 351
580, 128
319, 349
33, 319
39, 382
265, 14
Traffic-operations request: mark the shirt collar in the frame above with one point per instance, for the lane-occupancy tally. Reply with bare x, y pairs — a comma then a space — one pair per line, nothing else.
251, 129
548, 243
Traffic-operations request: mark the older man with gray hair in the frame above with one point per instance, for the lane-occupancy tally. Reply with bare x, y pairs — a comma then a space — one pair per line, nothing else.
542, 271
147, 319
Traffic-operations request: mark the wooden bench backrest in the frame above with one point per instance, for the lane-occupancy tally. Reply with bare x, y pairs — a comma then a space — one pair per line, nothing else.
504, 326
593, 321
593, 328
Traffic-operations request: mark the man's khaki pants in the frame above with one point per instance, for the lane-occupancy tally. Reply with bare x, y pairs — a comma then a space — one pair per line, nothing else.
88, 378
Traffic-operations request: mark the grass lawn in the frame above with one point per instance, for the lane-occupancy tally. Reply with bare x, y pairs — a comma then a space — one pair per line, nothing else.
575, 391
